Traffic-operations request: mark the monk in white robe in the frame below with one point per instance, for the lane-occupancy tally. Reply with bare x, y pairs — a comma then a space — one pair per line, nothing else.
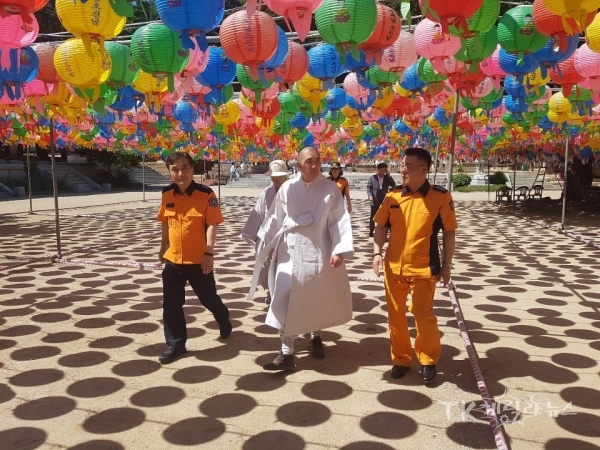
309, 234
278, 173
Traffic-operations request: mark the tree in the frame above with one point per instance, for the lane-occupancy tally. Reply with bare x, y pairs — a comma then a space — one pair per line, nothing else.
117, 160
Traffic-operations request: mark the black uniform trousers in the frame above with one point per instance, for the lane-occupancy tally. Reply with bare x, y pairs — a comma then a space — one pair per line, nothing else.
174, 278
374, 209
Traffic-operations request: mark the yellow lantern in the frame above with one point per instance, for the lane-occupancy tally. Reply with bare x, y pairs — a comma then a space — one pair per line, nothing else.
151, 87
93, 20
536, 79
227, 114
592, 35
81, 68
556, 118
311, 90
559, 104
385, 99
401, 91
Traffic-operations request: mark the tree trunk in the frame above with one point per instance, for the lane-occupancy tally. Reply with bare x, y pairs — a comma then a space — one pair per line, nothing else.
579, 176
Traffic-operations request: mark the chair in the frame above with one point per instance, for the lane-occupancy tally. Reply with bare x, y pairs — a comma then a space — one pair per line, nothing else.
536, 191
503, 193
521, 193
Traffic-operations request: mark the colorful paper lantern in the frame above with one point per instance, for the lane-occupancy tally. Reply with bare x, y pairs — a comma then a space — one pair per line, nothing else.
566, 75
22, 68
157, 50
516, 32
557, 27
432, 44
249, 40
587, 64
386, 32
481, 21
293, 67
298, 12
325, 64
191, 19
124, 69
80, 66
16, 32
346, 24
450, 12
22, 7
576, 10
219, 71
400, 55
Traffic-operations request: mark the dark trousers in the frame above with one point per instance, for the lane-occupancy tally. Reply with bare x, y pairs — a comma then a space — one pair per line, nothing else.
374, 209
174, 277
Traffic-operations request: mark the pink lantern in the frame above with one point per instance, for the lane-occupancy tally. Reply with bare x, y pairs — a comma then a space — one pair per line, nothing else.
400, 55
353, 87
15, 32
298, 12
545, 98
317, 127
371, 115
35, 90
196, 63
491, 67
587, 64
449, 66
252, 6
482, 89
432, 44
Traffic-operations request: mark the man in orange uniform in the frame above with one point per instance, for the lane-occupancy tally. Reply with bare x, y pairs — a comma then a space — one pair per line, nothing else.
415, 213
189, 213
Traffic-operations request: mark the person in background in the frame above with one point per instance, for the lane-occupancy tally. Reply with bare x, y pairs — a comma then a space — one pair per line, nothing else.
335, 175
415, 213
308, 231
189, 213
278, 173
377, 187
233, 175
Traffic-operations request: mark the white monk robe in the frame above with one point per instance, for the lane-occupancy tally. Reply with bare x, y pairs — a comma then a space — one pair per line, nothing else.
250, 231
306, 225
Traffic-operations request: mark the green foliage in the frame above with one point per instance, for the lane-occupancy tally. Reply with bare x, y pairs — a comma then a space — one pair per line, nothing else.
461, 180
498, 178
122, 179
492, 188
110, 160
460, 169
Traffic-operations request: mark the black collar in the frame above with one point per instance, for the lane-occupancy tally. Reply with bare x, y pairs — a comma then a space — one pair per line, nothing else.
189, 191
424, 189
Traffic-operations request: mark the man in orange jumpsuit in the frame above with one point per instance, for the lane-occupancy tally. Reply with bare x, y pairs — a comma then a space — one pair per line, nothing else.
415, 213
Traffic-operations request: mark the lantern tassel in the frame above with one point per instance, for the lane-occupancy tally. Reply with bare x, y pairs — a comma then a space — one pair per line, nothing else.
202, 41
171, 82
186, 40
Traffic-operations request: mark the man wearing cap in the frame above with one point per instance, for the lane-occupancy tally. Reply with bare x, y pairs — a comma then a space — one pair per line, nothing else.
308, 232
377, 188
335, 175
278, 173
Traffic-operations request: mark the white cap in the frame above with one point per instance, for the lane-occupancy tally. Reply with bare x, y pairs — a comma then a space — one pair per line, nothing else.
277, 168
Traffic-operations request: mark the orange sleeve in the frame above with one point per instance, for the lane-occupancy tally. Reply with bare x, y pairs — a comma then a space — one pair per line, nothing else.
213, 210
161, 213
382, 216
447, 213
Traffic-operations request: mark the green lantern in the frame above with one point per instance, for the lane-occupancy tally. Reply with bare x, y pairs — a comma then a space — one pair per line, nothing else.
516, 33
482, 20
282, 128
426, 73
478, 47
288, 103
346, 24
106, 97
157, 50
124, 69
335, 121
381, 77
256, 86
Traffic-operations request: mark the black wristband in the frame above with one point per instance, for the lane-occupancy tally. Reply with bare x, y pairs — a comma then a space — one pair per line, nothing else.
377, 254
208, 254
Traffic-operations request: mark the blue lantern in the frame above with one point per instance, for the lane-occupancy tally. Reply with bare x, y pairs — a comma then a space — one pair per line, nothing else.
515, 105
411, 81
185, 112
23, 68
336, 100
324, 63
515, 66
360, 65
299, 121
191, 18
363, 103
549, 56
283, 47
219, 71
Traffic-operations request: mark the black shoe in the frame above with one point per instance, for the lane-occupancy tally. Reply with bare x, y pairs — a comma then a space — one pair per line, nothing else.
316, 347
171, 354
399, 371
268, 299
281, 362
370, 234
225, 329
428, 373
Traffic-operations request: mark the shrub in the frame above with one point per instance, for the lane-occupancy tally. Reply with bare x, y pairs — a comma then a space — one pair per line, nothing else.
461, 180
498, 178
460, 168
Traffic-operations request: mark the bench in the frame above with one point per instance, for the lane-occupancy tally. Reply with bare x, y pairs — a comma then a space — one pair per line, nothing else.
503, 194
522, 193
536, 191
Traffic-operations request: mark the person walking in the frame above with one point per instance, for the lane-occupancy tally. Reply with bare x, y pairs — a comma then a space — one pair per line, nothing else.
278, 173
189, 213
415, 214
308, 232
377, 187
335, 175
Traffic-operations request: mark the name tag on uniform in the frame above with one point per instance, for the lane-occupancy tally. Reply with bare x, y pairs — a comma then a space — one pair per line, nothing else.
170, 205
395, 206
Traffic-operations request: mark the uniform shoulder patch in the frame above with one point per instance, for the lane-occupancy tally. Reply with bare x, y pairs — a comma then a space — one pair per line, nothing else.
439, 189
203, 188
169, 188
213, 202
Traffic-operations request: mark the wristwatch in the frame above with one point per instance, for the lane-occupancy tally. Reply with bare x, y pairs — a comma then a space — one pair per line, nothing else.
444, 263
377, 254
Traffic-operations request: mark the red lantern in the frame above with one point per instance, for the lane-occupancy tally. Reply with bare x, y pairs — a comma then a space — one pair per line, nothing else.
249, 40
46, 70
294, 66
22, 7
566, 75
451, 12
387, 30
267, 110
553, 25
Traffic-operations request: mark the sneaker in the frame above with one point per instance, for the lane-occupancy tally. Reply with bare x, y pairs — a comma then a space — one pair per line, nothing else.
225, 329
399, 371
428, 373
171, 354
316, 347
268, 299
281, 362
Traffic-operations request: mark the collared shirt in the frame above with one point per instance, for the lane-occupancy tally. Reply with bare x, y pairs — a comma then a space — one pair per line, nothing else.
380, 181
188, 215
415, 219
342, 184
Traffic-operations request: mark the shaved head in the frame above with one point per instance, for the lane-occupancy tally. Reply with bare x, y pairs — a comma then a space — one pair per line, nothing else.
305, 151
309, 163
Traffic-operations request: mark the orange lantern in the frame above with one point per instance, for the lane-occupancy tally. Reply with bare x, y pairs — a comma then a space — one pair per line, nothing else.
387, 30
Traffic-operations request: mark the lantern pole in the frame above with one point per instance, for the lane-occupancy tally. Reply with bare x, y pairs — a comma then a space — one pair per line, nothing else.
55, 188
514, 182
453, 141
29, 181
144, 177
437, 153
488, 176
564, 193
219, 171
